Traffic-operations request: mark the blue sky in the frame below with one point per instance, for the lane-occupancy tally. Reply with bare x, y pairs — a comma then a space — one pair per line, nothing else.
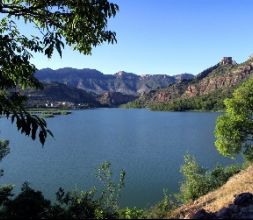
168, 37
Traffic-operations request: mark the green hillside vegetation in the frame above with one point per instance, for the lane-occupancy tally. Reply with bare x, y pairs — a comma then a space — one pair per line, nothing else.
209, 102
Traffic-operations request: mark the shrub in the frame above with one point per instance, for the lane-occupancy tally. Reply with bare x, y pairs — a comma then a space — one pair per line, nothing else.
131, 213
69, 205
199, 181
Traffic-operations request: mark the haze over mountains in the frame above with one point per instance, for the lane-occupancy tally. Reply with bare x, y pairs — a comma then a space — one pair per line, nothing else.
92, 80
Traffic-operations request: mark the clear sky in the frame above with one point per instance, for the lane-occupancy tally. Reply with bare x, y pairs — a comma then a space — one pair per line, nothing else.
168, 37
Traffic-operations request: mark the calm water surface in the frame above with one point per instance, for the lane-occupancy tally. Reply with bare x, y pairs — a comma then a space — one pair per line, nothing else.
150, 146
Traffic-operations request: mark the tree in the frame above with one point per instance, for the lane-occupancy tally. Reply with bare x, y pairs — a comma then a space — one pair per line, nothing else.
234, 129
81, 24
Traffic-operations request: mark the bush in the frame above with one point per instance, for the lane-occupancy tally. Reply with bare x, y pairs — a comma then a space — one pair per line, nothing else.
69, 205
162, 208
199, 181
131, 213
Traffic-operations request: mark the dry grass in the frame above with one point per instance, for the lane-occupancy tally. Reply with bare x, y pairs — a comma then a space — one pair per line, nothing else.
222, 197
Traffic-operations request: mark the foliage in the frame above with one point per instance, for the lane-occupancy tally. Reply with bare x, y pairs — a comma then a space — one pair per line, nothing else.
5, 190
69, 205
158, 211
133, 104
28, 204
131, 213
163, 208
78, 205
199, 181
111, 194
234, 129
80, 24
210, 102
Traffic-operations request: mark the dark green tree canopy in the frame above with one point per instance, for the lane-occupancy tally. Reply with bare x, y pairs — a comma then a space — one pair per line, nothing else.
234, 129
81, 24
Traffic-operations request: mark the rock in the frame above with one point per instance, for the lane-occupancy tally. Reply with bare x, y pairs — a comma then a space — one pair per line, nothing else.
245, 216
244, 199
242, 208
224, 213
202, 214
226, 61
250, 209
233, 208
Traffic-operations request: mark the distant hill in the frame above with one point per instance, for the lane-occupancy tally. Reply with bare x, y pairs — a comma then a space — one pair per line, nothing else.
94, 81
206, 91
60, 95
114, 99
54, 93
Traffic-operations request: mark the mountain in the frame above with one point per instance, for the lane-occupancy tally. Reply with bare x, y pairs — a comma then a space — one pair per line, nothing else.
114, 99
60, 95
206, 91
94, 81
56, 94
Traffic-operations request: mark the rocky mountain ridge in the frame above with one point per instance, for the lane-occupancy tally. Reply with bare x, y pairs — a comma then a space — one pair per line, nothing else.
218, 77
94, 81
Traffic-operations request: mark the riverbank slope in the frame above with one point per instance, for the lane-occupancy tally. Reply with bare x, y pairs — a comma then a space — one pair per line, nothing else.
220, 198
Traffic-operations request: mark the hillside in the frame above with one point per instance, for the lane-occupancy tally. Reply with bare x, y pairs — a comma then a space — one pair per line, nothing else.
57, 94
217, 81
60, 95
220, 198
94, 81
114, 99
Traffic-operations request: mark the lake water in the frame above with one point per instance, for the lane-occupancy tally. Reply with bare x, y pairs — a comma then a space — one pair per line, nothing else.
149, 146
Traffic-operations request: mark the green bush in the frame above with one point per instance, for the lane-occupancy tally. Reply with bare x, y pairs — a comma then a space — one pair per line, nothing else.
199, 181
69, 205
131, 213
162, 208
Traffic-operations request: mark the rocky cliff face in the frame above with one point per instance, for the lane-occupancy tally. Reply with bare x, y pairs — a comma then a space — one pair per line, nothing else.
114, 99
92, 80
221, 76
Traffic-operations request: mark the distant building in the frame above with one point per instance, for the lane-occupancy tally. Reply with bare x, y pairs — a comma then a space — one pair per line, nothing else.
226, 60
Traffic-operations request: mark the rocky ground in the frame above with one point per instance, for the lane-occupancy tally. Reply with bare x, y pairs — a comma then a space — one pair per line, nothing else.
233, 200
241, 208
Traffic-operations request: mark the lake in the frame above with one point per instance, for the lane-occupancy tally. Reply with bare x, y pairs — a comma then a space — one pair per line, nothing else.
149, 146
